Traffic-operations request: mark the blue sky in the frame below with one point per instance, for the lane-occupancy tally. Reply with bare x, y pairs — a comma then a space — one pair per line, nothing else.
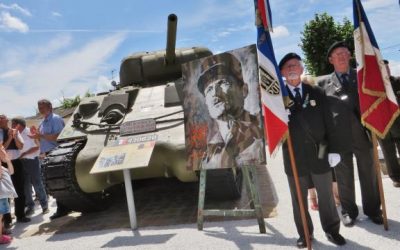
62, 48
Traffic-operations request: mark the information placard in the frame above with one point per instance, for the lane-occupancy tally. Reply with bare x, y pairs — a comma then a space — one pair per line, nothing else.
126, 153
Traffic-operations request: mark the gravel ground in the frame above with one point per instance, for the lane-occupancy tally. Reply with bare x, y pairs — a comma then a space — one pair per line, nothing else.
239, 234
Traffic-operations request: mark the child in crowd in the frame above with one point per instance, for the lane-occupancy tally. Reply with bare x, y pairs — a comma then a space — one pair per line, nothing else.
6, 191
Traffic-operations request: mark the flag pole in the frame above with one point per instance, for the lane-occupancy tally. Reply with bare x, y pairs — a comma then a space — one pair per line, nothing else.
266, 27
298, 192
380, 185
374, 139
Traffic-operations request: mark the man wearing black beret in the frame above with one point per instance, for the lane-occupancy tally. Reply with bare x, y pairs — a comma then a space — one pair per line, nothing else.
315, 148
341, 87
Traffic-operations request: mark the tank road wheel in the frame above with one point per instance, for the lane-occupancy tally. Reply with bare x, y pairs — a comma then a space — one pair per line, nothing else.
224, 184
58, 172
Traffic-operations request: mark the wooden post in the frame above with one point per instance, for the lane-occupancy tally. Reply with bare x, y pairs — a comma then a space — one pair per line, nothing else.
380, 185
298, 191
252, 184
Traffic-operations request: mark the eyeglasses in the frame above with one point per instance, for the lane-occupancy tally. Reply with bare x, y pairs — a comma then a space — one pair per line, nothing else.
292, 65
340, 52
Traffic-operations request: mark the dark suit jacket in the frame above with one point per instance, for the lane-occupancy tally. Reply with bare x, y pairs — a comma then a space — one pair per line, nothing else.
395, 81
308, 127
395, 129
344, 104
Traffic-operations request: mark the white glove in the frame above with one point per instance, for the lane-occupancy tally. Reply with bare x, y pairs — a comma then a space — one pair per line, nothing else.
333, 159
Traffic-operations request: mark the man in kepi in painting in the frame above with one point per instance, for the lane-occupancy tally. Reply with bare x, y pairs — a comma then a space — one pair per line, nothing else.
235, 137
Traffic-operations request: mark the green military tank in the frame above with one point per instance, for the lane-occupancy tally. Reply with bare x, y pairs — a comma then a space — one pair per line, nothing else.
149, 92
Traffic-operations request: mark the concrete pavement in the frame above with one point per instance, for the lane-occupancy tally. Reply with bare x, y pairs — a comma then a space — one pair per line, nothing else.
237, 234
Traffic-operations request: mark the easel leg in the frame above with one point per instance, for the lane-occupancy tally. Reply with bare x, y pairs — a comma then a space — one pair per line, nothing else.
254, 196
129, 199
248, 190
202, 194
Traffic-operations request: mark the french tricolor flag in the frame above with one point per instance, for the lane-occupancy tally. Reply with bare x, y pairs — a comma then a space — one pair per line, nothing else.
272, 87
378, 103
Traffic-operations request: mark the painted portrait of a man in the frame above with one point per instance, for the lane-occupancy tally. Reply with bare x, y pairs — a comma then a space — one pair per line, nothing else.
222, 111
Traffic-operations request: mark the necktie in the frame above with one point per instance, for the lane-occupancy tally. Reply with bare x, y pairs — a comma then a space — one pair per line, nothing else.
297, 96
345, 81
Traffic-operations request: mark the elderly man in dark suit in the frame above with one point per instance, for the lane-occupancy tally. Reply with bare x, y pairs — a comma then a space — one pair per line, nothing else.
313, 135
341, 86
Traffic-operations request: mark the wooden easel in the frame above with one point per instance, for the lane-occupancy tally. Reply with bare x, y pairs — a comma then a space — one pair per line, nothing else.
249, 175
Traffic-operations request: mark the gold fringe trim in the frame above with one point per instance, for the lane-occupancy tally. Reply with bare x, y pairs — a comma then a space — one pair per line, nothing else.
387, 128
284, 138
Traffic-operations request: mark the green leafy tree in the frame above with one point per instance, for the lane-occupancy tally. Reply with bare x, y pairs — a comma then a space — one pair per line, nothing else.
317, 37
73, 102
70, 102
88, 94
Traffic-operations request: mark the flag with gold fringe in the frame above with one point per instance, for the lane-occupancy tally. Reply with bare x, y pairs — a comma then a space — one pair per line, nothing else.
378, 103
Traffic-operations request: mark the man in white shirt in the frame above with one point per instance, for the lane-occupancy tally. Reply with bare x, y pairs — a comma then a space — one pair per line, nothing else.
30, 160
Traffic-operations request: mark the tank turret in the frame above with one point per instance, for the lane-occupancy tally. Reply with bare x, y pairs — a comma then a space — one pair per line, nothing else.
147, 69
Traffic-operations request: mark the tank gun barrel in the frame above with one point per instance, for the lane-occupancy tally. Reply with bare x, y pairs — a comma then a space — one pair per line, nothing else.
171, 39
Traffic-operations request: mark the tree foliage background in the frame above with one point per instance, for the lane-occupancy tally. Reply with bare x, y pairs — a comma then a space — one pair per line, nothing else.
317, 37
73, 102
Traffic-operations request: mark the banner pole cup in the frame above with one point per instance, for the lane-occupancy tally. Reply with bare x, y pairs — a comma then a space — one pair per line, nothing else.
298, 192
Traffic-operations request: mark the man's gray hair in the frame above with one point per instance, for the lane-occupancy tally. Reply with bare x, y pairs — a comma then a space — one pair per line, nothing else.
45, 102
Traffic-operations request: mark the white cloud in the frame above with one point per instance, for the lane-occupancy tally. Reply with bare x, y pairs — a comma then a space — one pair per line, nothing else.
383, 22
103, 84
282, 50
10, 74
54, 45
374, 4
213, 11
12, 23
394, 67
280, 31
224, 34
229, 31
68, 74
56, 14
16, 7
79, 61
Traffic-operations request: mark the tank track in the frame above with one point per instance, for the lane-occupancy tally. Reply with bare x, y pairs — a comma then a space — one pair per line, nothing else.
58, 170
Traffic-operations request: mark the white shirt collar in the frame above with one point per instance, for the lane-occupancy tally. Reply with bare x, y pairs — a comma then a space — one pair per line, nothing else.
300, 86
